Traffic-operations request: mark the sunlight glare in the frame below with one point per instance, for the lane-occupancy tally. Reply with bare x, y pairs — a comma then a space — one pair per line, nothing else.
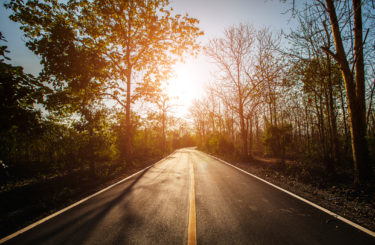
184, 87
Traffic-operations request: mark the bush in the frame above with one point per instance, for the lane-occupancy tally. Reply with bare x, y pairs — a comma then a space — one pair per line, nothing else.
277, 140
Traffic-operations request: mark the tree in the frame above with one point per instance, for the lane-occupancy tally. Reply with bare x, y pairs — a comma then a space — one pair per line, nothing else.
347, 29
268, 70
72, 61
198, 113
164, 105
354, 78
235, 84
144, 40
19, 119
121, 49
277, 139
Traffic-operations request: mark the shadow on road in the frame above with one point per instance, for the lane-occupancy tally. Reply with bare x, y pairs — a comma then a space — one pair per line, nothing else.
83, 220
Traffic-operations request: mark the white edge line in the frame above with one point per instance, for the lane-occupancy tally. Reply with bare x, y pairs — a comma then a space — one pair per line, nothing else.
73, 205
369, 232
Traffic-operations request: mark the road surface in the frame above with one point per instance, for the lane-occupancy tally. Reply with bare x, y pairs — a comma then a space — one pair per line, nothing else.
189, 197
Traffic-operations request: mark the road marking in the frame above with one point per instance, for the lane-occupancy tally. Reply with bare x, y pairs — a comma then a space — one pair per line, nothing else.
4, 239
192, 229
361, 228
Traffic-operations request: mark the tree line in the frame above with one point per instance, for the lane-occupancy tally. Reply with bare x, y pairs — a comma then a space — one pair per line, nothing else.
307, 94
304, 95
100, 61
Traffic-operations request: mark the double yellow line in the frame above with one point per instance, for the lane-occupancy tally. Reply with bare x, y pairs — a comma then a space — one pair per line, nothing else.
192, 229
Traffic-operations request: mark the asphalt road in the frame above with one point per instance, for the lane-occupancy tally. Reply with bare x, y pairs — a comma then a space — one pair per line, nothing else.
231, 207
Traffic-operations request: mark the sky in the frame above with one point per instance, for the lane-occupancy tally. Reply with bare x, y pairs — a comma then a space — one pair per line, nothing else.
215, 16
192, 76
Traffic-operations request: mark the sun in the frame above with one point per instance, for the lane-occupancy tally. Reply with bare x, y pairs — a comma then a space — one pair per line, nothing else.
183, 88
178, 84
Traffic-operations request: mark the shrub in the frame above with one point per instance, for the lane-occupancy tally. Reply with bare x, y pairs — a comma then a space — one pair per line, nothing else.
277, 140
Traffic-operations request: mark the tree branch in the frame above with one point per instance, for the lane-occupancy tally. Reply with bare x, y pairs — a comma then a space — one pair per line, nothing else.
113, 97
329, 52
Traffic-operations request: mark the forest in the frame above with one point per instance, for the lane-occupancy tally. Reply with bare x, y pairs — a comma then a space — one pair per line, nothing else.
78, 113
303, 97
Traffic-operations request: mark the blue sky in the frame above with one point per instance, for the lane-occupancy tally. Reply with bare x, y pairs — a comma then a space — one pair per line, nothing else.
19, 53
216, 15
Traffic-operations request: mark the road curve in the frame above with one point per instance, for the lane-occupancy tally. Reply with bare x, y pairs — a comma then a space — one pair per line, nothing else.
154, 207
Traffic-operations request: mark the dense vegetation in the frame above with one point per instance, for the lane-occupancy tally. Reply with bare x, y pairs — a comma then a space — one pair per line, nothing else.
97, 104
305, 96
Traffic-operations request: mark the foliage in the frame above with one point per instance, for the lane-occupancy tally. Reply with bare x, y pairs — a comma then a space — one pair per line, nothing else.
143, 39
72, 62
310, 99
91, 51
277, 139
19, 120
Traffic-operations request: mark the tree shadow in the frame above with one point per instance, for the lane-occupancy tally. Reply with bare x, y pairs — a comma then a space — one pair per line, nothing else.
65, 230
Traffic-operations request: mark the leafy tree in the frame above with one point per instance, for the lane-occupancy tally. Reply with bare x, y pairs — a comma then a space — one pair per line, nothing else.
3, 49
72, 62
93, 49
18, 118
277, 139
145, 40
97, 131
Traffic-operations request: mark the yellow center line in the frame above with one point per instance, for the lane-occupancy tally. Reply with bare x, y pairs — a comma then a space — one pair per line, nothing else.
192, 229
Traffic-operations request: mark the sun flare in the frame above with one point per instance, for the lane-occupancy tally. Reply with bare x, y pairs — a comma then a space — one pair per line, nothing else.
183, 87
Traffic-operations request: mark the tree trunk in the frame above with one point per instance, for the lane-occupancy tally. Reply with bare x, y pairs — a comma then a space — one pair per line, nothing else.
128, 125
355, 89
164, 140
128, 74
307, 130
361, 151
91, 153
243, 131
232, 126
251, 137
334, 135
257, 133
332, 116
346, 143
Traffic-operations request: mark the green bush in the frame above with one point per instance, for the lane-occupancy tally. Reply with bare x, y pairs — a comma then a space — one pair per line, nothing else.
277, 140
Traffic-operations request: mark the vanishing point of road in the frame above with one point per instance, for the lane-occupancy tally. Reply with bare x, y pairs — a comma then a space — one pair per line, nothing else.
190, 197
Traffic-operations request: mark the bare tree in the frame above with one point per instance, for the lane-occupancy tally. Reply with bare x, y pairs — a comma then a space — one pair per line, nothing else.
163, 102
337, 28
269, 70
353, 73
233, 55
